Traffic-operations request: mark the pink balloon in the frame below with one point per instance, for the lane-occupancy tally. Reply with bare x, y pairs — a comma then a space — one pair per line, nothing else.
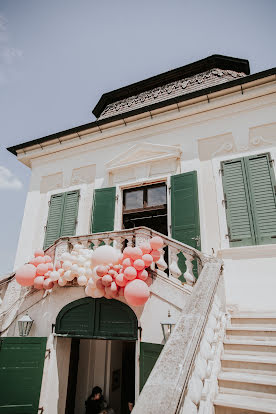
101, 271
38, 282
48, 284
139, 264
145, 247
99, 284
107, 280
130, 273
38, 252
50, 267
136, 253
113, 273
127, 262
38, 260
113, 287
48, 259
121, 291
155, 255
25, 275
58, 266
41, 269
156, 243
120, 280
148, 259
127, 251
117, 267
110, 292
120, 259
136, 292
143, 275
33, 261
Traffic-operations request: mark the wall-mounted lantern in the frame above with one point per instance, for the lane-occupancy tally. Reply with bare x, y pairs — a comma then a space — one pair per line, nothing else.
24, 325
167, 326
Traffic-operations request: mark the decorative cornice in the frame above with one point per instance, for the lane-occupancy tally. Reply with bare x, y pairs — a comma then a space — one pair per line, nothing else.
173, 89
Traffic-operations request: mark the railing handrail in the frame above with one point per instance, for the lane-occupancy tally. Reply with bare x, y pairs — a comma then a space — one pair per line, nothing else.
203, 257
167, 383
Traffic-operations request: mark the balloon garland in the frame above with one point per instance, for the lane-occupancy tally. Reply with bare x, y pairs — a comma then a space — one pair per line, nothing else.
104, 272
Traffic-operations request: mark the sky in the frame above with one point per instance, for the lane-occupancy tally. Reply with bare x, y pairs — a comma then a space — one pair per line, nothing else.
57, 57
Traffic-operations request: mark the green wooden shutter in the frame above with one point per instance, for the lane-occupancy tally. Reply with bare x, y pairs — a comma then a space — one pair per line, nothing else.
54, 219
62, 216
261, 181
103, 210
21, 368
185, 213
237, 203
70, 213
149, 354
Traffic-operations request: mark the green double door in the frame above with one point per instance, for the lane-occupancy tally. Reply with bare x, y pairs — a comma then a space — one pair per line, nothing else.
21, 368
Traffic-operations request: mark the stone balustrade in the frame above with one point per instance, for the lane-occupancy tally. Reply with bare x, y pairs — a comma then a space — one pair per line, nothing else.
168, 264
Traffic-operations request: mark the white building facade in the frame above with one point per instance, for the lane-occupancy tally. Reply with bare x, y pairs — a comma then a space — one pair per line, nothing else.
189, 154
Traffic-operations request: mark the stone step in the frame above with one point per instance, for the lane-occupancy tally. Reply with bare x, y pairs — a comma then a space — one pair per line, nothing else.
237, 404
250, 347
262, 333
260, 364
252, 385
258, 320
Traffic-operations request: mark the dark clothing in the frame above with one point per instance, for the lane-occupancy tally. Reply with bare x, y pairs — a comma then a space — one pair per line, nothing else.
94, 406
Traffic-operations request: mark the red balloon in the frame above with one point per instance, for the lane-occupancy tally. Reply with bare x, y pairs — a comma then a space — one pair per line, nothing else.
99, 284
139, 264
38, 252
156, 243
25, 275
136, 292
155, 255
143, 275
136, 253
113, 273
130, 273
121, 291
41, 269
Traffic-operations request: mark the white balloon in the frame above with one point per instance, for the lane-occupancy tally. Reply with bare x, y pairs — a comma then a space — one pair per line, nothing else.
68, 275
81, 271
98, 293
61, 281
65, 256
61, 271
67, 265
91, 283
88, 273
74, 253
74, 268
87, 264
104, 255
82, 281
78, 247
81, 260
89, 291
54, 275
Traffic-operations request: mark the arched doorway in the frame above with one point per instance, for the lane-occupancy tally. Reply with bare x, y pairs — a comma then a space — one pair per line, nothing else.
103, 344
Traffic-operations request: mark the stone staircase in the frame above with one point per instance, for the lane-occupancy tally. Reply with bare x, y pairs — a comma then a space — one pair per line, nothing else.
247, 380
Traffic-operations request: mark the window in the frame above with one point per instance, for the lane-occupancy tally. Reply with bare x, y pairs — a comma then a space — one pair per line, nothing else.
62, 216
147, 197
249, 196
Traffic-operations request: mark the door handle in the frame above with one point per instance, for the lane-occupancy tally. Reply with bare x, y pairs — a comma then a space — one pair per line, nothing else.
197, 239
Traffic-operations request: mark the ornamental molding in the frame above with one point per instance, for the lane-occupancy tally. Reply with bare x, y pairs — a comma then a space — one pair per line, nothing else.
177, 88
143, 153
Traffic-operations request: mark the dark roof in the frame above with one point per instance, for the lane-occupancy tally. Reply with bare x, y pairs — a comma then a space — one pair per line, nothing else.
175, 100
214, 61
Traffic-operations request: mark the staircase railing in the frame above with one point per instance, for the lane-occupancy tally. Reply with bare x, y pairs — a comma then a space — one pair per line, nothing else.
168, 264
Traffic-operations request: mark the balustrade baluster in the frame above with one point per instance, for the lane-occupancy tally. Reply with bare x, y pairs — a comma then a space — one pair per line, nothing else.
174, 269
189, 276
161, 264
96, 243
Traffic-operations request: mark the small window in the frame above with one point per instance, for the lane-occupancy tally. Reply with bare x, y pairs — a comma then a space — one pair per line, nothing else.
145, 197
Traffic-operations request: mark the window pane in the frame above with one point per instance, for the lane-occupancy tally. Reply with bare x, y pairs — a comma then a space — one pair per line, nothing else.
133, 199
157, 196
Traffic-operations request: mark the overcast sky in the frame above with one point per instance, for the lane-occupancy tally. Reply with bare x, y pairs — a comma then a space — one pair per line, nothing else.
57, 57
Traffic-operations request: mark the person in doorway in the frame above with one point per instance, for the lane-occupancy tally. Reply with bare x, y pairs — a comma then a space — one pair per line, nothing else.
95, 403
